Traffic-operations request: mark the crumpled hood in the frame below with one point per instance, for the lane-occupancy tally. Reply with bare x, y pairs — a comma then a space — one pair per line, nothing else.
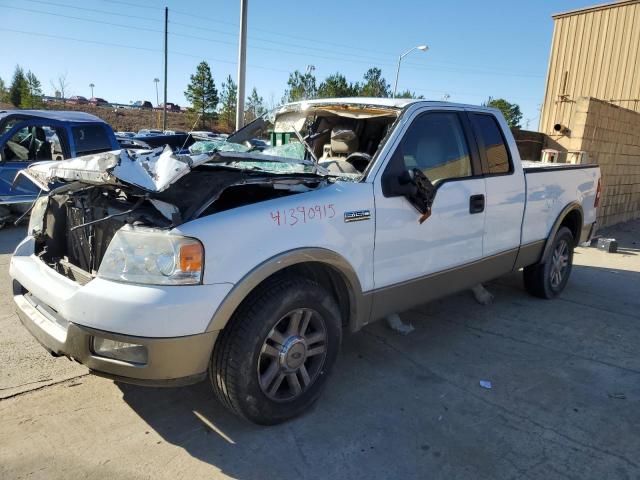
152, 170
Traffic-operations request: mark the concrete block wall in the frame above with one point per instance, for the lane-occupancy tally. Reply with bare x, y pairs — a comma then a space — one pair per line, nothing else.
611, 137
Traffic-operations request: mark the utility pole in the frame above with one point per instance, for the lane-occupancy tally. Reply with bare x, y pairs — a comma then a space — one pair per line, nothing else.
164, 107
242, 61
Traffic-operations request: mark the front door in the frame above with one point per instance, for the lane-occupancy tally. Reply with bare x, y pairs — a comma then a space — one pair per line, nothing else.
22, 146
440, 144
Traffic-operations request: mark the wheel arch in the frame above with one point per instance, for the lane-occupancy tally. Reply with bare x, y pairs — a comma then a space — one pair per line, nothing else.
571, 217
328, 268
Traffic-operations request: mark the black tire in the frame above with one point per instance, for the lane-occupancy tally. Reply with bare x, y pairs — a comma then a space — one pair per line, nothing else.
542, 280
242, 361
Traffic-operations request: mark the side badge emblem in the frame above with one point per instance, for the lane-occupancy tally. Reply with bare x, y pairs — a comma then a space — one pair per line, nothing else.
357, 215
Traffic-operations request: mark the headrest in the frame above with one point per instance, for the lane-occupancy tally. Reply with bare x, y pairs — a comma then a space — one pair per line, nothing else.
343, 140
40, 135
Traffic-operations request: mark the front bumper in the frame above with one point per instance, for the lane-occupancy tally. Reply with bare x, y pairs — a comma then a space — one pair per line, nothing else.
170, 361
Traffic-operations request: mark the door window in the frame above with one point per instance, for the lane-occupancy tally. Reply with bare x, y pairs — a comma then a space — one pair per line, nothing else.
491, 140
90, 139
435, 143
32, 143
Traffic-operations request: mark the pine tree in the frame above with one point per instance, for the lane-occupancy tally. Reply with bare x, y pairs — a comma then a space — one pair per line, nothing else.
374, 84
255, 106
336, 85
33, 97
3, 89
228, 100
202, 93
19, 88
301, 87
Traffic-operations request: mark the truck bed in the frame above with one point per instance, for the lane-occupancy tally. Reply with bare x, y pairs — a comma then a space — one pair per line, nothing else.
550, 187
538, 167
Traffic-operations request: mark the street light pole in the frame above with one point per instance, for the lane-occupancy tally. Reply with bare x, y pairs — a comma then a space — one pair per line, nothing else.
242, 63
156, 81
422, 48
91, 85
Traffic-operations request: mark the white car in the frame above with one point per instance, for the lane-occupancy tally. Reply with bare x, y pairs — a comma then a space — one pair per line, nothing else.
246, 266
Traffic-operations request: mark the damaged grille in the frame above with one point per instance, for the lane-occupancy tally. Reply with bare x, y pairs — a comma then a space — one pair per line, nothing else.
79, 226
81, 220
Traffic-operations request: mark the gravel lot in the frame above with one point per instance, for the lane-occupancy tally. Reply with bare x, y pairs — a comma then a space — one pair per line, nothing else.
564, 402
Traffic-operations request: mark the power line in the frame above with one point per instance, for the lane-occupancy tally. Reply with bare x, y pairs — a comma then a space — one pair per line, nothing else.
288, 52
132, 47
324, 42
466, 68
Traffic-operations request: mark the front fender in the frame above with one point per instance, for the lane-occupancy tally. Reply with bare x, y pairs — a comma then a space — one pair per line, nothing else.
360, 305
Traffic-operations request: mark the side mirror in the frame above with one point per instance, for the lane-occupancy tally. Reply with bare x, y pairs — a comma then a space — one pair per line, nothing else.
416, 187
400, 185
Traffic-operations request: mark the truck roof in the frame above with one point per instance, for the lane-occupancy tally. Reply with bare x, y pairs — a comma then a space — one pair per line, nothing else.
382, 102
61, 116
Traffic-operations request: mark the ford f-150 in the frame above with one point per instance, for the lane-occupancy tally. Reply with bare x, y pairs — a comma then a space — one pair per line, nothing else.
246, 265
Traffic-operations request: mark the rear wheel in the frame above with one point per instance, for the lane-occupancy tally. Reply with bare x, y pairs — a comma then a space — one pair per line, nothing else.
548, 279
272, 360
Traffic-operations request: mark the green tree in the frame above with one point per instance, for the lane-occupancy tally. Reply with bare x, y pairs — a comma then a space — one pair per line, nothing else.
374, 84
255, 106
228, 100
19, 88
336, 85
3, 91
511, 111
408, 94
33, 97
202, 93
301, 87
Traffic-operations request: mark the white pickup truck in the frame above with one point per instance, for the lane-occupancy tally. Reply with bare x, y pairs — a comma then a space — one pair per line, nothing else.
247, 263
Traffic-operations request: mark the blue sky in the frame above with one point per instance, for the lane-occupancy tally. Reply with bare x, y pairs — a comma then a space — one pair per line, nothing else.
477, 48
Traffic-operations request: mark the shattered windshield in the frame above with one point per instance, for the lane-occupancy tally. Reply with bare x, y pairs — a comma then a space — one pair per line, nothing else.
271, 148
339, 139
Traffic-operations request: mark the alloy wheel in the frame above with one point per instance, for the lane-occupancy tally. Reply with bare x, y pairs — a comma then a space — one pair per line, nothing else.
559, 263
292, 355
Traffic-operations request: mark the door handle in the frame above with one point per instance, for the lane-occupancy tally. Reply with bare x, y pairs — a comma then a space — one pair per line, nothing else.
476, 204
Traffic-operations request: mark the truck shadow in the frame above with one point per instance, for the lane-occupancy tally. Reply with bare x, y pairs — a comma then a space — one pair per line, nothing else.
409, 406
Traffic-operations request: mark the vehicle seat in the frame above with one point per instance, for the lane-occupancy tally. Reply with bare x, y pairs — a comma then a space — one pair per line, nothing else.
44, 147
344, 142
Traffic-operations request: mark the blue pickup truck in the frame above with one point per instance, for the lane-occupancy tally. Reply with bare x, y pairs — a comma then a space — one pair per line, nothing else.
28, 136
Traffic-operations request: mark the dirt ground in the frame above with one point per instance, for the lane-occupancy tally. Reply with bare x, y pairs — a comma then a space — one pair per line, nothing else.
564, 400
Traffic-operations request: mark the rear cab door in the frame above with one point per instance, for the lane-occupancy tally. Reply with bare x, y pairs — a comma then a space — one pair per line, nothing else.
504, 179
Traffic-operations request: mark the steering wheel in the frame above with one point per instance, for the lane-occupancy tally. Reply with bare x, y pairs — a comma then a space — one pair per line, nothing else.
359, 160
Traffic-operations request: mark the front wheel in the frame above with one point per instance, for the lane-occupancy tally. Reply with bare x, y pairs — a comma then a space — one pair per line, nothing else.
548, 279
272, 360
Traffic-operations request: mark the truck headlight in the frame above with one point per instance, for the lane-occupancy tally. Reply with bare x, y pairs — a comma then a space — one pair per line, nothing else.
36, 220
140, 255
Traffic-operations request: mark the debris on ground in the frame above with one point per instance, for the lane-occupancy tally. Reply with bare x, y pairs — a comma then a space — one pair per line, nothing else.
395, 323
608, 245
618, 396
485, 384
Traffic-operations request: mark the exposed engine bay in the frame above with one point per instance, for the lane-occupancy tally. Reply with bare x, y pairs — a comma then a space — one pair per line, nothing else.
80, 220
91, 198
